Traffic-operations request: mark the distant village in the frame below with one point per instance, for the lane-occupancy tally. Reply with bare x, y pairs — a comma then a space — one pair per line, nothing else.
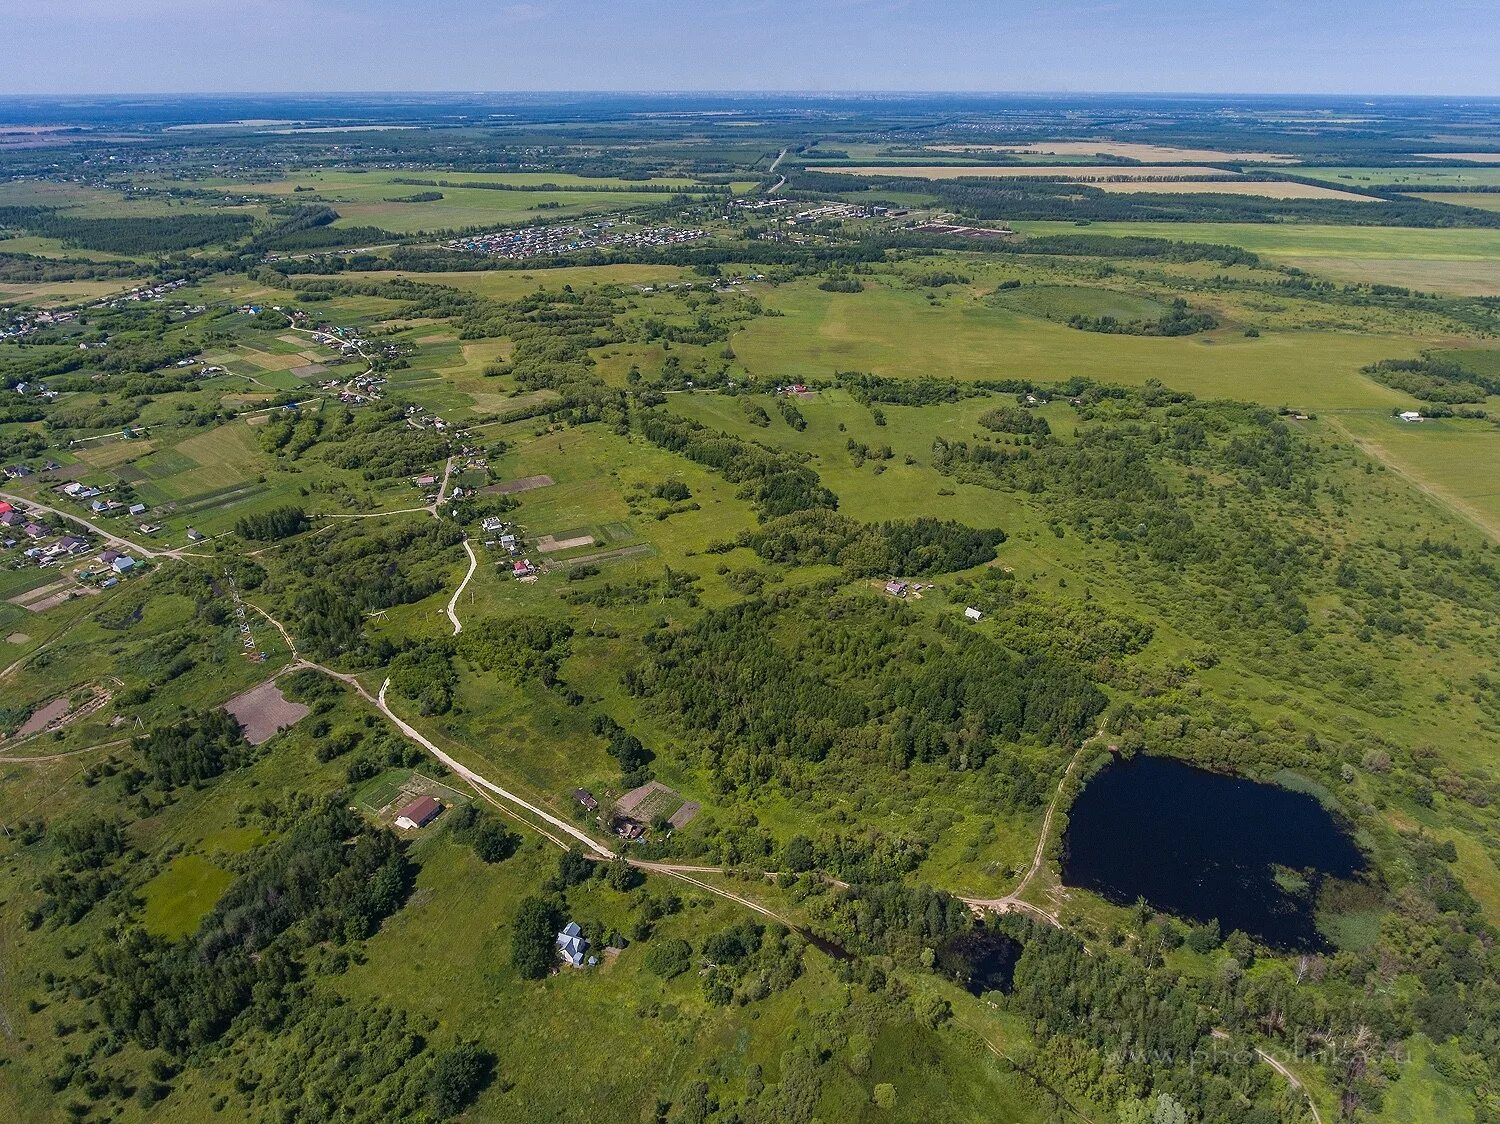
548, 241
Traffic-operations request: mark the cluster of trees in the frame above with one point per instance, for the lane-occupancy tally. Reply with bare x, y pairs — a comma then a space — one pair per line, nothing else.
157, 235
376, 441
912, 548
769, 689
1179, 321
491, 840
776, 482
526, 647
1137, 475
888, 917
625, 748
1014, 419
31, 268
193, 750
358, 570
269, 526
83, 871
1037, 623
330, 878
1435, 380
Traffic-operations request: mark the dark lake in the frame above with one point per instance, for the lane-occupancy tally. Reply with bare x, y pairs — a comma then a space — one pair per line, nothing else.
1201, 845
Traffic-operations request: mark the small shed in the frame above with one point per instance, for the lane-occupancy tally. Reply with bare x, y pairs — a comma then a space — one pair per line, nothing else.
973, 614
1410, 416
419, 813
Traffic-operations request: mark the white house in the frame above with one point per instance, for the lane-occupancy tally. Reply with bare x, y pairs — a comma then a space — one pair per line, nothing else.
973, 614
1410, 416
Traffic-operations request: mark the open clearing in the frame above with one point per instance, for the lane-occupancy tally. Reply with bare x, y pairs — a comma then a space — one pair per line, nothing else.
898, 334
1407, 176
1484, 200
1476, 157
1455, 461
178, 897
1081, 172
1126, 150
265, 711
1271, 189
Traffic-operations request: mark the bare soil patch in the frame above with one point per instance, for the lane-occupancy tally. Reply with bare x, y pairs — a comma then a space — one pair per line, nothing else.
42, 717
264, 711
549, 545
308, 370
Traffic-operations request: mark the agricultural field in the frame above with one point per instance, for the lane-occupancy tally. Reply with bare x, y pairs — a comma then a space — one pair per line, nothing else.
1081, 172
1271, 189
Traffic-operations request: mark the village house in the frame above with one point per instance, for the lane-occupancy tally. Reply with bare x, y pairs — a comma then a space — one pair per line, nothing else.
896, 588
195, 536
571, 945
521, 568
419, 813
586, 798
1410, 416
123, 564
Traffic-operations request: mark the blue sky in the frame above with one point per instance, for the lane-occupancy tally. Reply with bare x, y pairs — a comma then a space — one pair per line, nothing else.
1245, 46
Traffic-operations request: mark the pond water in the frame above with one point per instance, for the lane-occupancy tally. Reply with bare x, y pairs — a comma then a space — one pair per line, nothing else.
1202, 845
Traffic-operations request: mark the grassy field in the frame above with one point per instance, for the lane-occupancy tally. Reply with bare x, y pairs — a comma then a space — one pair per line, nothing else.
1439, 259
898, 333
1455, 460
1406, 176
1270, 189
1484, 200
177, 899
372, 199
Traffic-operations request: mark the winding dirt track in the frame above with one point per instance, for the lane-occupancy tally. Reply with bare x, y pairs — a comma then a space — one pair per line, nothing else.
458, 625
